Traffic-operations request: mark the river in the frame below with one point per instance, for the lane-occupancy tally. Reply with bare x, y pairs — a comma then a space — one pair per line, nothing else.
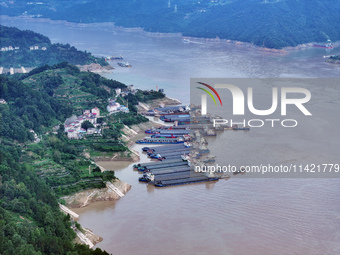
237, 216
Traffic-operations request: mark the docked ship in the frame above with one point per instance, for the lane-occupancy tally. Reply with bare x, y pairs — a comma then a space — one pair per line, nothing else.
327, 45
235, 127
153, 140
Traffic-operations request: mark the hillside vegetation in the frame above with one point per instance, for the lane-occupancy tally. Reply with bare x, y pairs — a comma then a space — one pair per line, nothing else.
35, 173
30, 219
44, 52
269, 23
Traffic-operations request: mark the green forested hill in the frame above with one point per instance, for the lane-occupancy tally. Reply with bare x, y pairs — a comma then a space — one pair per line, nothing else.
27, 109
273, 24
34, 175
36, 172
270, 23
30, 220
46, 52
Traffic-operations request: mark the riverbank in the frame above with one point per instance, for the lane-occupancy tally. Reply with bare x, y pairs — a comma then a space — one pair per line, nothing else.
247, 218
88, 233
96, 68
186, 39
113, 162
283, 51
87, 197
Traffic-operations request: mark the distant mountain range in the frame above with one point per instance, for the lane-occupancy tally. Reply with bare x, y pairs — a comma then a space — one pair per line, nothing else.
268, 23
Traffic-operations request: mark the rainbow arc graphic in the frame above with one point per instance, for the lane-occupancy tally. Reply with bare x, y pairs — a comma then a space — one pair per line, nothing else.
209, 93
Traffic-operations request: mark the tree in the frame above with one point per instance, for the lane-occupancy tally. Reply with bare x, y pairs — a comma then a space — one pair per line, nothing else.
57, 156
86, 125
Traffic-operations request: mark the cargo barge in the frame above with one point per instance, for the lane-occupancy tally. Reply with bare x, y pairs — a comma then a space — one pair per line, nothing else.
167, 132
165, 147
151, 140
183, 181
174, 170
169, 152
158, 165
241, 128
327, 45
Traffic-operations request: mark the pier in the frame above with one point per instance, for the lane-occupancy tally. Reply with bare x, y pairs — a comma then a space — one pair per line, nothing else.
165, 148
115, 189
84, 239
166, 164
66, 210
176, 161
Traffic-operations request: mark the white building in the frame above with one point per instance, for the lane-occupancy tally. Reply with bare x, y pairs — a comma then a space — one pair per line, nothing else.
95, 111
93, 120
72, 134
124, 109
112, 107
118, 91
91, 131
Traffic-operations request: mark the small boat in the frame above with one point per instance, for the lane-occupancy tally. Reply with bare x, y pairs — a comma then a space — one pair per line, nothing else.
203, 149
185, 157
219, 127
235, 127
124, 64
147, 177
209, 132
143, 179
242, 170
157, 156
209, 159
187, 137
187, 144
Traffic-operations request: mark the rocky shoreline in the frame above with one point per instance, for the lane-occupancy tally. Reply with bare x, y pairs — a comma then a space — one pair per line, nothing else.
87, 197
90, 235
96, 68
